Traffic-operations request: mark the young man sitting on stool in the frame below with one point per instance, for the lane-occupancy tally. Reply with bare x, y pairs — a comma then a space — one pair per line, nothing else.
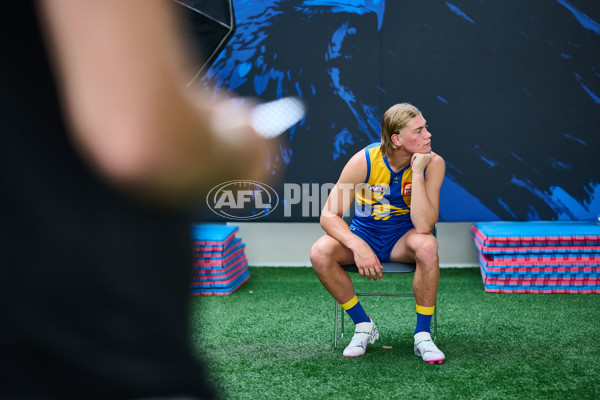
396, 186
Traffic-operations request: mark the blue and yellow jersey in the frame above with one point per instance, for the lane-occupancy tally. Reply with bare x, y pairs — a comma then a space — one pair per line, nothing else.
382, 203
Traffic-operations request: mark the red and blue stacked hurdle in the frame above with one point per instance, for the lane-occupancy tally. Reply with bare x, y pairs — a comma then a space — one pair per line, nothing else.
539, 257
220, 264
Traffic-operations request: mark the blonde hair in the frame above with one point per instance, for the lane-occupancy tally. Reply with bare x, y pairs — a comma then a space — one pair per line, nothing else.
394, 119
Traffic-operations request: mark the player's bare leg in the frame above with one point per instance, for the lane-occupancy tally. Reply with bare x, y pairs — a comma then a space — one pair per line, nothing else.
326, 256
423, 250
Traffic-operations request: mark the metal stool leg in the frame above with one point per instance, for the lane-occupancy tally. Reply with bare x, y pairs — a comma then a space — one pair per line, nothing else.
435, 323
335, 318
335, 325
342, 330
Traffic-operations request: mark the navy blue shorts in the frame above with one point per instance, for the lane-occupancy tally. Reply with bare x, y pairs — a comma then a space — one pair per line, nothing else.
381, 244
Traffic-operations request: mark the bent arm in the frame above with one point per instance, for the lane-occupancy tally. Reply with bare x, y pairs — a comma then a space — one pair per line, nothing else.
338, 203
425, 198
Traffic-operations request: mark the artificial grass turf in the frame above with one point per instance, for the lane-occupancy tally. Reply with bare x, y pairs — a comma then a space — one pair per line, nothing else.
273, 339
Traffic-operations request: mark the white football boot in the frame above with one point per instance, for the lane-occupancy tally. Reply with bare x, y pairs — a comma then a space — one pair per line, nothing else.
427, 350
364, 333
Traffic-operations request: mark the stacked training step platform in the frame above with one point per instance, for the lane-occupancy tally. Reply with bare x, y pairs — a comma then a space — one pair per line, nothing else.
539, 257
220, 264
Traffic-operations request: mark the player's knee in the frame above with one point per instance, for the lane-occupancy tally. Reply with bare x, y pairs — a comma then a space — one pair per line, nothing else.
320, 255
426, 249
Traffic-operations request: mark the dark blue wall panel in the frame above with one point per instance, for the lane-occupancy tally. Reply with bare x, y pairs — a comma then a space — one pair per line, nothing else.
510, 89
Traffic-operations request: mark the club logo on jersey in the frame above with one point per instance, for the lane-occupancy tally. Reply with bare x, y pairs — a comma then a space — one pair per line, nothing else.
407, 189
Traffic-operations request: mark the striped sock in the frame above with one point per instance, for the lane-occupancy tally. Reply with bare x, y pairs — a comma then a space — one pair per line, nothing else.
355, 311
424, 319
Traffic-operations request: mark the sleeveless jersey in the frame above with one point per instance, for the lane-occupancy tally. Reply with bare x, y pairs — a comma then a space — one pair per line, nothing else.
382, 203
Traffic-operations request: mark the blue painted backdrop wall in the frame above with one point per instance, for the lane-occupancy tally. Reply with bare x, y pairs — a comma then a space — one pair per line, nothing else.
510, 89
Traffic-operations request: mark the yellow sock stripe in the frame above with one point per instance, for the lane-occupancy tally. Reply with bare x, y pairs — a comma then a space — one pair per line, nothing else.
351, 303
425, 310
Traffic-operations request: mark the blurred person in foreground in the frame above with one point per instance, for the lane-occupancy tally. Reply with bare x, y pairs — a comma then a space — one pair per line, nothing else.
395, 185
103, 151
